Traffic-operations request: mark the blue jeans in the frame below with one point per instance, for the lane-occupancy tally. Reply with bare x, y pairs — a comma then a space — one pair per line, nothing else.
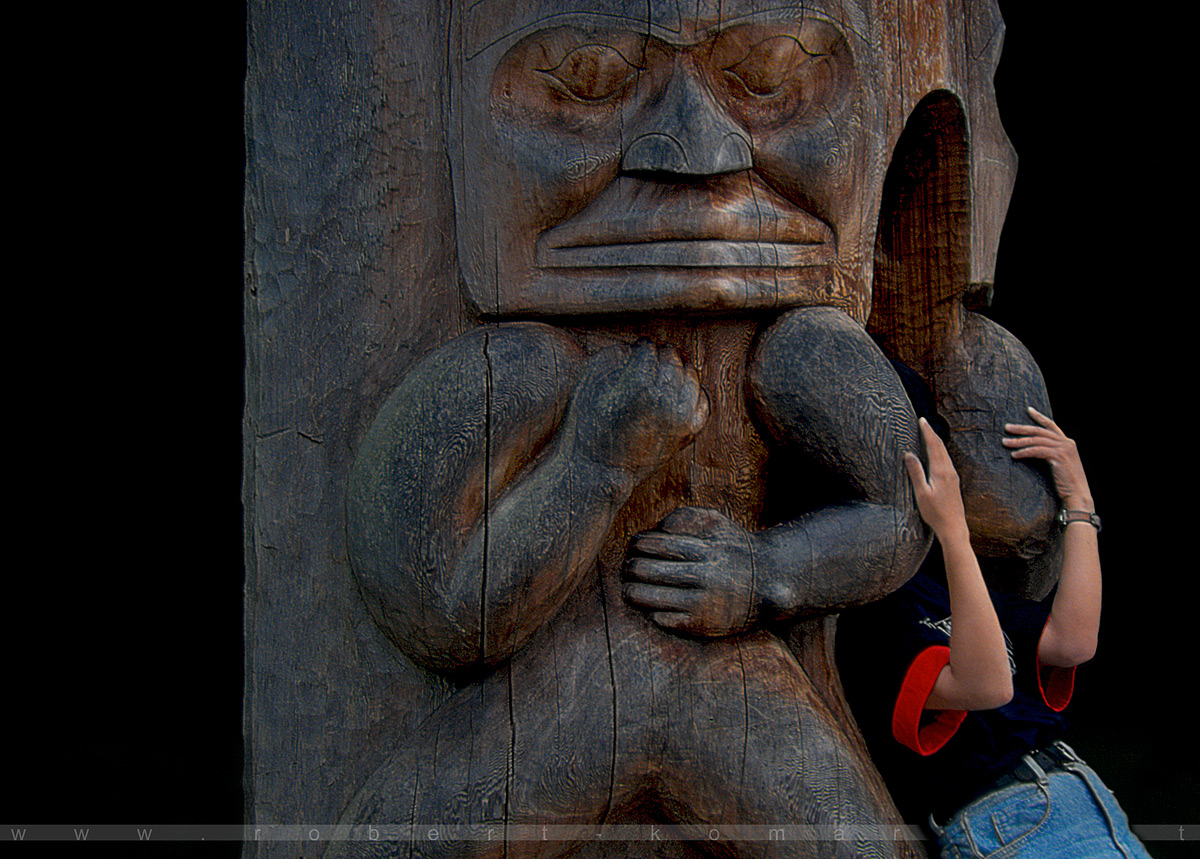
1065, 813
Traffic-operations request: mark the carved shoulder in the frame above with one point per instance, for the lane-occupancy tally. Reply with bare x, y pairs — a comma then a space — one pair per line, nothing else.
823, 389
986, 381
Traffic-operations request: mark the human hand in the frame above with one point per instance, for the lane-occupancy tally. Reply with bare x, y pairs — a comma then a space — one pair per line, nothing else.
635, 406
693, 574
939, 498
1047, 441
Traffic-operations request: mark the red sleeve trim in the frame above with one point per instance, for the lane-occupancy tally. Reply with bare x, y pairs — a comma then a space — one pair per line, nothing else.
910, 704
1055, 684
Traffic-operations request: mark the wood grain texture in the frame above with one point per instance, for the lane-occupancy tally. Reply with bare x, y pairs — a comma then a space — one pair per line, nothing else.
566, 439
562, 583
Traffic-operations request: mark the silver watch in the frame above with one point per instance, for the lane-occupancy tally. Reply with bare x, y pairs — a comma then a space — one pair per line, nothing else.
1066, 517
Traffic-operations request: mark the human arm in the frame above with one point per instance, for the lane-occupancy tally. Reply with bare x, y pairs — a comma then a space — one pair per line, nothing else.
1071, 632
978, 676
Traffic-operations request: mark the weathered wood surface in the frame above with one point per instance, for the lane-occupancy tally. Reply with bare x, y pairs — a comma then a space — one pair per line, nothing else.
565, 439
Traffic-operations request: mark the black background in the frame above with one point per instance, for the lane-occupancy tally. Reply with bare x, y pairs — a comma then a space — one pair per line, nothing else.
1091, 277
124, 634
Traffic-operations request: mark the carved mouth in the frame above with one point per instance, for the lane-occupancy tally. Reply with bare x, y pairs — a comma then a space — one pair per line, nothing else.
695, 253
737, 222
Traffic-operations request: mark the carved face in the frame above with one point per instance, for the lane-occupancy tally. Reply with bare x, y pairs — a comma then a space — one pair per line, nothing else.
614, 159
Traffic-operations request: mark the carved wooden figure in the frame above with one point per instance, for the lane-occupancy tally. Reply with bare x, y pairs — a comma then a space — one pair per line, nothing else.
596, 423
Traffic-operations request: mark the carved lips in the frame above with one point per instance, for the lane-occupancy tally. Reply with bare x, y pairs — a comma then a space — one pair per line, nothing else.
733, 221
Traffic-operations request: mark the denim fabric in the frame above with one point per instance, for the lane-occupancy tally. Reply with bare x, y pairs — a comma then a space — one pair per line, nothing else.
1066, 813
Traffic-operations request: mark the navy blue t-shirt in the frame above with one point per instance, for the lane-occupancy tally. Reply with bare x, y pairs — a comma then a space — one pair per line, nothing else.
889, 655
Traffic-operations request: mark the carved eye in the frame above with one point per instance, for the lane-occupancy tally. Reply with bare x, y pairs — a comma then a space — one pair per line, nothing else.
769, 65
592, 72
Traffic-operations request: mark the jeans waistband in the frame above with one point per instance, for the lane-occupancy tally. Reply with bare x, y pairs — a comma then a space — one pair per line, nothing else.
1032, 767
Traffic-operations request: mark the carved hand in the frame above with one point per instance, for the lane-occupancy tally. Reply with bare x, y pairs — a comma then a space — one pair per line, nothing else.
635, 407
695, 573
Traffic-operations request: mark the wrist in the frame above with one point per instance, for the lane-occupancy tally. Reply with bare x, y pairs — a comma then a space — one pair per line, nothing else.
1070, 516
1079, 501
781, 590
955, 536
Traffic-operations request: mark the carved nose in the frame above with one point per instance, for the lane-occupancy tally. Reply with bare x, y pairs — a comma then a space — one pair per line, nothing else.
687, 134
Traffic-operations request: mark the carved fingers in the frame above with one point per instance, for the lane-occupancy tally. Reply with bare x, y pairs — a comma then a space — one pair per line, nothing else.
636, 406
694, 574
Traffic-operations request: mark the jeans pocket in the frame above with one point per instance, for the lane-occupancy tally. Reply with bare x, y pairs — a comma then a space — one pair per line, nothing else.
1001, 821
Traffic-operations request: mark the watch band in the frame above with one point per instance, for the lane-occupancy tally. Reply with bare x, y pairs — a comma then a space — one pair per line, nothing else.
1066, 517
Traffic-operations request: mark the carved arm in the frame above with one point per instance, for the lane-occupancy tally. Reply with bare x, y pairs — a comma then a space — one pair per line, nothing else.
486, 486
829, 400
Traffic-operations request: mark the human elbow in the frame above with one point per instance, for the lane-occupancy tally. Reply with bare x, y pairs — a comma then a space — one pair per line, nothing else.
1069, 653
989, 695
1065, 645
997, 695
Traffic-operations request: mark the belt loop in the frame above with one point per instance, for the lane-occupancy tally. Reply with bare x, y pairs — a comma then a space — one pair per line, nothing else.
1067, 751
1036, 769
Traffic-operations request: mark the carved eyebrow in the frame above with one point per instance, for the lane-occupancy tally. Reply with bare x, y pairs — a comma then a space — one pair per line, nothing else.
574, 48
751, 48
545, 23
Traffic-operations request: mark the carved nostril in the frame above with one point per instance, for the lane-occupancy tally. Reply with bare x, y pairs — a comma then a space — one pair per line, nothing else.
700, 155
733, 154
655, 153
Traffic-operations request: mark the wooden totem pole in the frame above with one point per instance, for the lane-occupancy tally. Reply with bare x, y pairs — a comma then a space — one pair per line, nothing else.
571, 425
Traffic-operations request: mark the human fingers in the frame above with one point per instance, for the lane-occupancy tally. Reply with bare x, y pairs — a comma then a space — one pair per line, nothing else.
673, 547
1044, 420
1049, 443
1029, 429
659, 598
940, 465
1027, 440
1037, 433
916, 472
1040, 452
